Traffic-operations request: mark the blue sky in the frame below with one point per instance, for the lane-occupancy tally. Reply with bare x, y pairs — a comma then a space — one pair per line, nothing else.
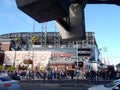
103, 20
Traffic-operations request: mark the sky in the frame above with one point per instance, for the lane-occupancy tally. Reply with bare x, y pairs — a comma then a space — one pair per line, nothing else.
102, 19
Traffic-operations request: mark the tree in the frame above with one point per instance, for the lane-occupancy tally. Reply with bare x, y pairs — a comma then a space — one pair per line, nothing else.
17, 41
1, 67
33, 39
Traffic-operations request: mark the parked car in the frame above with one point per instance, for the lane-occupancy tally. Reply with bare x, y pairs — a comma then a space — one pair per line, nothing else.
115, 85
6, 83
14, 77
11, 75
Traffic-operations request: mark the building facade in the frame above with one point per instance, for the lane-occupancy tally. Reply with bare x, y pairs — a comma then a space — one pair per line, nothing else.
62, 54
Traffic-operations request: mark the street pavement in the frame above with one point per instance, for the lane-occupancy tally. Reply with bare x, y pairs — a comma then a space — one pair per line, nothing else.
63, 82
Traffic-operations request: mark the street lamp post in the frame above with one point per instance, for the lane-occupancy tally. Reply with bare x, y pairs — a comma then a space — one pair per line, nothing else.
77, 71
77, 53
17, 42
14, 58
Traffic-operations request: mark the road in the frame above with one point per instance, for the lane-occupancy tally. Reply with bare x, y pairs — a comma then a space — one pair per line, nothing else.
52, 87
55, 85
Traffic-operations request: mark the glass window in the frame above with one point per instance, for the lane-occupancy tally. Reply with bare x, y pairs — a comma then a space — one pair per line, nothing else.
112, 84
5, 79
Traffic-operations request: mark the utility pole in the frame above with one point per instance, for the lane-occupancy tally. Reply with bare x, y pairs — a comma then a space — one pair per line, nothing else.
44, 32
14, 58
77, 53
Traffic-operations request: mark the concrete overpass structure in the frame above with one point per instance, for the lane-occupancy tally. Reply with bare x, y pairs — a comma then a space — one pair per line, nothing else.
68, 14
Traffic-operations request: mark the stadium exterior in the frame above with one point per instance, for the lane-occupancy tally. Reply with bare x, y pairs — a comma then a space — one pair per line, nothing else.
49, 51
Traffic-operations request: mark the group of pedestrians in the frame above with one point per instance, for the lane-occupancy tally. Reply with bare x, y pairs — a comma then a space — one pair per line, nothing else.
91, 75
94, 76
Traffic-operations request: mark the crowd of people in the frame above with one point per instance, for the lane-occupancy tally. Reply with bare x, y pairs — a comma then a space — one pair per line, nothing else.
89, 75
95, 76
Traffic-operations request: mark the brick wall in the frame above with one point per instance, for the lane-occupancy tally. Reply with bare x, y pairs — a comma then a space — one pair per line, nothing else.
5, 46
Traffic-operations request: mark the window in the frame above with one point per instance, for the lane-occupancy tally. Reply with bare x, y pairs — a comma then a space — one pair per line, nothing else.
111, 84
5, 79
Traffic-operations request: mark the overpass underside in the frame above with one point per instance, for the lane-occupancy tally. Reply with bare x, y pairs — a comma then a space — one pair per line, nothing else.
68, 14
